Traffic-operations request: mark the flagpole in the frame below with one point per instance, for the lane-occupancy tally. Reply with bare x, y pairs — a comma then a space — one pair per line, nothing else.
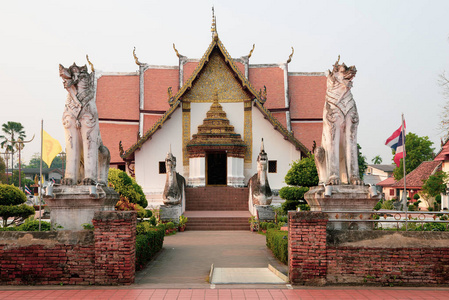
403, 165
40, 190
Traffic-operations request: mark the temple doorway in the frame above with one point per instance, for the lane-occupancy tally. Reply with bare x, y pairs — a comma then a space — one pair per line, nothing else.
216, 168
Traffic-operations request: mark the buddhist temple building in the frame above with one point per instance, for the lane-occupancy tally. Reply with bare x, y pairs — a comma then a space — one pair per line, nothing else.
212, 113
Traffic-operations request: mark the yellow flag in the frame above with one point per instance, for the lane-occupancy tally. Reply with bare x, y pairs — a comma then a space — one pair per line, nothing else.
50, 148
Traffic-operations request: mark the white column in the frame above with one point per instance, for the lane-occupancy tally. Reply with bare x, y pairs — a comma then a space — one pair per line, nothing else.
235, 172
197, 171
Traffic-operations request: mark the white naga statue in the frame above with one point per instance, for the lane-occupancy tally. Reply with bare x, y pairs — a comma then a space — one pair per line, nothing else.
87, 158
260, 188
174, 184
337, 157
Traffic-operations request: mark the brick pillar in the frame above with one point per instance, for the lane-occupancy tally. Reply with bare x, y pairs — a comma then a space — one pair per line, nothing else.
307, 252
115, 247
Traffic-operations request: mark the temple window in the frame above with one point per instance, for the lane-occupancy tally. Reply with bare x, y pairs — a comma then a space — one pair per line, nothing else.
162, 169
272, 166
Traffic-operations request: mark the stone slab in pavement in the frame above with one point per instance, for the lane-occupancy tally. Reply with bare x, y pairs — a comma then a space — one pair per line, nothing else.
245, 276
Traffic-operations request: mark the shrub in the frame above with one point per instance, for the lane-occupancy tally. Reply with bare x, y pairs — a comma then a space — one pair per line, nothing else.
277, 241
271, 225
149, 241
292, 205
378, 205
12, 205
125, 205
304, 206
289, 205
293, 192
416, 196
11, 195
283, 219
29, 225
127, 186
153, 221
170, 225
303, 173
388, 205
149, 213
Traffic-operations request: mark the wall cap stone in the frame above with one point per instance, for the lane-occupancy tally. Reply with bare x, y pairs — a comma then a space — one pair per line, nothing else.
114, 215
308, 215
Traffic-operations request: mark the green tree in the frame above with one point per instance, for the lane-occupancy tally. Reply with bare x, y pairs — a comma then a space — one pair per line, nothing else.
35, 162
303, 173
13, 131
3, 177
25, 182
363, 165
435, 184
418, 149
377, 160
127, 186
301, 176
12, 204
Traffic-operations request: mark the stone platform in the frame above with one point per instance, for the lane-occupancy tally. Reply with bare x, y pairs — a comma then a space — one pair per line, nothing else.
343, 199
72, 206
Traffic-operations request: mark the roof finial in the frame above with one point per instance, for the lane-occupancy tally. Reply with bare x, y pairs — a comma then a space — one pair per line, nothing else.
135, 58
176, 51
213, 28
251, 52
291, 55
262, 148
91, 65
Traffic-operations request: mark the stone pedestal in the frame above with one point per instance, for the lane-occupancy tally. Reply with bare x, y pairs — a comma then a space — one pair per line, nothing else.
339, 201
170, 213
72, 206
265, 213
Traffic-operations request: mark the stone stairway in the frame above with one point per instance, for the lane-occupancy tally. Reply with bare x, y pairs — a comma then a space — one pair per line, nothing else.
217, 208
222, 198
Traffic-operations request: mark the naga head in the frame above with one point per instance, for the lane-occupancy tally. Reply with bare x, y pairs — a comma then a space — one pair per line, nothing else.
170, 162
262, 159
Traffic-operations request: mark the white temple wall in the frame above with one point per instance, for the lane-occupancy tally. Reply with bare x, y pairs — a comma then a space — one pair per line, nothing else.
276, 147
152, 152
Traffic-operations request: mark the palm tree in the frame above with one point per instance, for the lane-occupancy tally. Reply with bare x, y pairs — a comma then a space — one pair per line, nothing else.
13, 131
377, 160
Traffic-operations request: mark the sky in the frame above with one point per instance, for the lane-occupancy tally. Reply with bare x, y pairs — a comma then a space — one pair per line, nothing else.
398, 47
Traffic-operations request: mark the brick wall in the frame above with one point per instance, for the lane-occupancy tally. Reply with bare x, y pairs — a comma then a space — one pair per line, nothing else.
103, 256
307, 248
115, 244
313, 261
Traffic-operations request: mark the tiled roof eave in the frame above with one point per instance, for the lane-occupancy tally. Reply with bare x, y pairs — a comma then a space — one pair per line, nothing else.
129, 154
279, 127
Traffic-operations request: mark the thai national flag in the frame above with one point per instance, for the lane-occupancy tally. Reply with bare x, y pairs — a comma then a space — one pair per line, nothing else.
396, 142
27, 190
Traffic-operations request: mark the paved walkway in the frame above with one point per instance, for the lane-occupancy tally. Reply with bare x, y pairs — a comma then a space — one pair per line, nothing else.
222, 294
186, 259
181, 271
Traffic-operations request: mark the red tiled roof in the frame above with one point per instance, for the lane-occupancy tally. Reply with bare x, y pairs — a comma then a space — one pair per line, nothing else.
157, 82
216, 45
416, 177
444, 152
387, 182
118, 97
307, 95
275, 85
